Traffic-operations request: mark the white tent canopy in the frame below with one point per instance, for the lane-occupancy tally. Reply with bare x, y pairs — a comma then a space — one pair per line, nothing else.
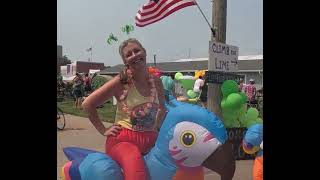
68, 78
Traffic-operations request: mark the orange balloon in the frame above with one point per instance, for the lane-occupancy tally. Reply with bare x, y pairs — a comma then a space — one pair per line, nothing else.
152, 70
258, 168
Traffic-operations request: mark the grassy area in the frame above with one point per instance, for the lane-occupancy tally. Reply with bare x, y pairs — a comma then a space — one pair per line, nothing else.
106, 113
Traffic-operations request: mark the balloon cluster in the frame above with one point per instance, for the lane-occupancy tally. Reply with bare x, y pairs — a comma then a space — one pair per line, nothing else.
234, 107
155, 71
111, 38
128, 28
187, 83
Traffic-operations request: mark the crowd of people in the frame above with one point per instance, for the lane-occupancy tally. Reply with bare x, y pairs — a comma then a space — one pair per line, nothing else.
81, 88
254, 96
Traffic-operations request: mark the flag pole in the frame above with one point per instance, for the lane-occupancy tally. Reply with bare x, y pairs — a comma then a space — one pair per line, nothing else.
212, 30
91, 54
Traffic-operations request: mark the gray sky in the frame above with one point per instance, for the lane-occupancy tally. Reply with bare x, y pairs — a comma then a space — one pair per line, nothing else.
82, 23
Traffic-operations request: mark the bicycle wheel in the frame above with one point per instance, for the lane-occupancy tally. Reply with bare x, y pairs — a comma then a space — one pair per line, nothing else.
61, 121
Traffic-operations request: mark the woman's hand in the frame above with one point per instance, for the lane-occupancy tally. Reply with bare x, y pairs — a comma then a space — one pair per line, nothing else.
97, 98
113, 130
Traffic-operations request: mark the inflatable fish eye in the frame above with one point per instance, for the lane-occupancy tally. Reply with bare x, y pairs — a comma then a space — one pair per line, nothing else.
188, 138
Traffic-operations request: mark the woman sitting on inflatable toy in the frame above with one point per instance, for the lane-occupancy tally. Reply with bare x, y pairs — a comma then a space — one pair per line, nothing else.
140, 110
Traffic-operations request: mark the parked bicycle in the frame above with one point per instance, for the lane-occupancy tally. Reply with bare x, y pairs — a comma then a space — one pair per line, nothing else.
61, 121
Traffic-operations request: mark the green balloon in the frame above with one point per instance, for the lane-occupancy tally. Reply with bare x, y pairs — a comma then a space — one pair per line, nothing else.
251, 122
178, 75
233, 101
243, 122
187, 84
167, 82
229, 115
226, 117
244, 97
223, 103
228, 87
243, 110
231, 124
259, 121
131, 28
191, 94
230, 120
236, 124
242, 113
227, 124
252, 114
245, 107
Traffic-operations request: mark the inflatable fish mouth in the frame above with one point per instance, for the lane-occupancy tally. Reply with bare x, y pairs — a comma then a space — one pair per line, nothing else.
208, 137
221, 162
180, 161
174, 152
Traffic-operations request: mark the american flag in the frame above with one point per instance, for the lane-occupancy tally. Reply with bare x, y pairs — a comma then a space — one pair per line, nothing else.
155, 10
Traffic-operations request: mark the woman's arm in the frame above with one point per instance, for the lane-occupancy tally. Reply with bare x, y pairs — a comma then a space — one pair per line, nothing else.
97, 98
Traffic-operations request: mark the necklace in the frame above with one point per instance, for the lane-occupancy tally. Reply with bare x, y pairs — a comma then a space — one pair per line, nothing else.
147, 108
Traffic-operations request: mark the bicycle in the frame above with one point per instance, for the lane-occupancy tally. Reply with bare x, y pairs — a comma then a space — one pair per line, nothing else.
256, 104
61, 121
252, 104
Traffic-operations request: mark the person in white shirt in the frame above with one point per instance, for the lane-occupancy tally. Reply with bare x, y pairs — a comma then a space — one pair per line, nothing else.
242, 85
198, 85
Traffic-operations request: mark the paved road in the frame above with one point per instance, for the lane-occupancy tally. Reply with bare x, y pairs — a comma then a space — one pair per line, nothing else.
81, 133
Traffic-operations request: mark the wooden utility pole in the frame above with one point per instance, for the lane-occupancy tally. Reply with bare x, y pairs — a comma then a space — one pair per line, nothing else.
219, 22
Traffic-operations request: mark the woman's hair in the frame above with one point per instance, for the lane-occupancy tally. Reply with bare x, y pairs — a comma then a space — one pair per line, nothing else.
126, 42
124, 77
